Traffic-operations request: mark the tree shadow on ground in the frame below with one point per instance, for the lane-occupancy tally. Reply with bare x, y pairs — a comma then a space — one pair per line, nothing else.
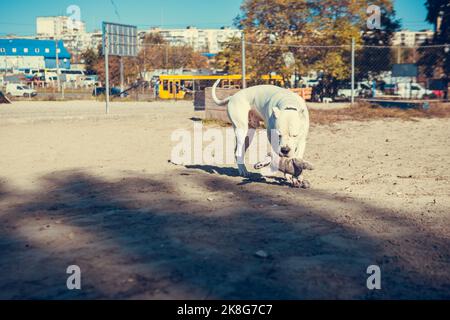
146, 238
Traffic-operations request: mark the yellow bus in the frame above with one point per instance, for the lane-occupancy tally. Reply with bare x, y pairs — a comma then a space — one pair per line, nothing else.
178, 86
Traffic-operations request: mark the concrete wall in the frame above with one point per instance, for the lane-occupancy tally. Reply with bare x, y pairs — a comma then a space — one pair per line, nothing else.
17, 62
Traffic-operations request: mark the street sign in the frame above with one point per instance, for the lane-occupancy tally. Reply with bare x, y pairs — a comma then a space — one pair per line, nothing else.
118, 40
121, 39
408, 70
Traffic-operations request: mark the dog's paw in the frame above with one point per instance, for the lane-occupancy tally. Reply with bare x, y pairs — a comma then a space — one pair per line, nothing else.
305, 184
295, 183
243, 171
261, 165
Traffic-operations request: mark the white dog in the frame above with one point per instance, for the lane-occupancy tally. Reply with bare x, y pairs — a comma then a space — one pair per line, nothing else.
284, 113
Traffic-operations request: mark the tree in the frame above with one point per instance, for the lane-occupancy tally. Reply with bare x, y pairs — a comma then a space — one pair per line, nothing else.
114, 70
158, 54
437, 58
91, 58
153, 38
228, 59
370, 60
278, 23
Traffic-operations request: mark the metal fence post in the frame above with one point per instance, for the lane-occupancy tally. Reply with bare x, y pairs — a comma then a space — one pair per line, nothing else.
244, 73
122, 81
107, 71
58, 72
353, 71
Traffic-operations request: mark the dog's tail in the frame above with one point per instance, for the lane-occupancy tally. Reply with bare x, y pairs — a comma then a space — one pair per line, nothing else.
214, 96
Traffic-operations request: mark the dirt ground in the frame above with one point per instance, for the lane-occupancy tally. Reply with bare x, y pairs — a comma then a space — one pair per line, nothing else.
81, 188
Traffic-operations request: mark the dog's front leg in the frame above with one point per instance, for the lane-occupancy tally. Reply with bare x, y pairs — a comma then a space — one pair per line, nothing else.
241, 137
296, 183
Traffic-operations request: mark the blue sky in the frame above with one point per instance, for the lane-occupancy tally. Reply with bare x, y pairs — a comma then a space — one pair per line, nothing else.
18, 16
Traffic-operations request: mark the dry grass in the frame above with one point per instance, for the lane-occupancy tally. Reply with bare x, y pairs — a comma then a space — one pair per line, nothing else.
363, 112
366, 112
215, 123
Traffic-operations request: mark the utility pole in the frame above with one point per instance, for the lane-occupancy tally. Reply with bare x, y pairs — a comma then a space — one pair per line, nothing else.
353, 70
244, 73
58, 75
107, 70
145, 68
122, 86
6, 63
167, 58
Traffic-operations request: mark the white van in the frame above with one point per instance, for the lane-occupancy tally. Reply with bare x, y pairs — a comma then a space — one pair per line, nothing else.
51, 77
30, 73
18, 90
413, 91
89, 81
72, 75
362, 89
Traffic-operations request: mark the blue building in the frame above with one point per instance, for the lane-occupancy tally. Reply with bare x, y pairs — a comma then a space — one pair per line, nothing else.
31, 53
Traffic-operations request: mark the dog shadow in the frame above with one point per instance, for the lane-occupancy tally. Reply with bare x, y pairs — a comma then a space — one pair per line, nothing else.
234, 173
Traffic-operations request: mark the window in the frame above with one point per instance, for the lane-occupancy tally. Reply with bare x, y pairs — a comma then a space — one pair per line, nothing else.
58, 50
2, 50
25, 50
47, 50
14, 50
36, 50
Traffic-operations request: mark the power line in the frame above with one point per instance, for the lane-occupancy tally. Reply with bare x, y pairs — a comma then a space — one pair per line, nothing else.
292, 45
116, 10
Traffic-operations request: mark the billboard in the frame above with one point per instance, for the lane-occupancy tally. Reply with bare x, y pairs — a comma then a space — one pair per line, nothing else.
408, 70
120, 38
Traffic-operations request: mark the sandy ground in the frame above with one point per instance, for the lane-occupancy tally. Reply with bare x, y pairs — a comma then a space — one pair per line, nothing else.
81, 188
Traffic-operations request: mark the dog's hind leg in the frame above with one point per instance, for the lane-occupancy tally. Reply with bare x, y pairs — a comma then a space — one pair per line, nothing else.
241, 137
238, 114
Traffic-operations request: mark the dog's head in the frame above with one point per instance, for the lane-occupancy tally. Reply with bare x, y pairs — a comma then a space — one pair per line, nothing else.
287, 123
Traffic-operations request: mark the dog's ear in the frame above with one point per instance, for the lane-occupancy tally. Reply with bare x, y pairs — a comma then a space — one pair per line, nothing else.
276, 112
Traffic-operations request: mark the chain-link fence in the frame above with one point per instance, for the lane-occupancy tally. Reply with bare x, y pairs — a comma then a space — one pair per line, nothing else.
330, 72
352, 72
401, 72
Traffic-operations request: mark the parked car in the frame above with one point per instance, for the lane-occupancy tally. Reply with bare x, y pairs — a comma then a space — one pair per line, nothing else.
18, 90
413, 91
72, 75
362, 89
31, 73
89, 81
312, 82
112, 91
438, 87
51, 77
